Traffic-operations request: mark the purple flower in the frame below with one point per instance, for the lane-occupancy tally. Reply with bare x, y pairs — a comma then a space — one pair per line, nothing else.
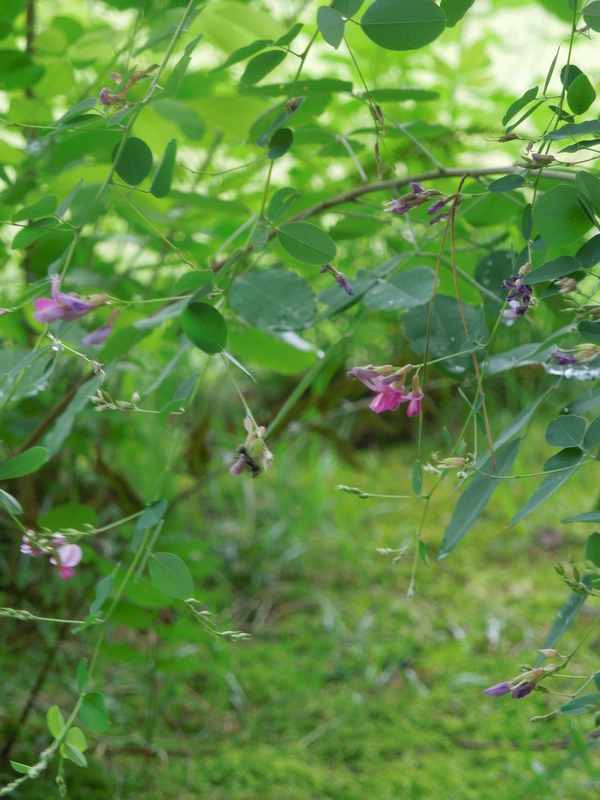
67, 307
99, 336
388, 398
239, 466
564, 358
518, 289
498, 689
439, 217
344, 283
389, 389
417, 188
414, 403
438, 205
522, 690
103, 96
397, 207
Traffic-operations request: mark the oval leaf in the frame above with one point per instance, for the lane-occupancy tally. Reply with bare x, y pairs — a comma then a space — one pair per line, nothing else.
551, 270
205, 327
403, 24
331, 25
93, 713
24, 464
281, 201
591, 15
307, 243
55, 720
280, 143
405, 290
274, 300
507, 183
565, 431
170, 575
135, 161
161, 183
261, 65
580, 94
559, 218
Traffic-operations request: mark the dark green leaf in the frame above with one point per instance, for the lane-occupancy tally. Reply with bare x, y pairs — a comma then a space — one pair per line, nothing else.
63, 207
182, 115
585, 402
135, 161
584, 704
564, 459
11, 504
307, 243
261, 349
289, 37
575, 129
170, 575
568, 74
82, 675
586, 516
205, 327
558, 216
580, 94
524, 100
423, 552
493, 269
93, 713
261, 65
551, 270
475, 498
191, 281
399, 95
588, 186
592, 435
589, 330
527, 222
403, 24
591, 15
45, 206
331, 25
455, 10
566, 431
18, 70
404, 290
280, 143
27, 236
103, 590
161, 183
547, 488
260, 236
589, 253
347, 8
507, 183
24, 464
274, 300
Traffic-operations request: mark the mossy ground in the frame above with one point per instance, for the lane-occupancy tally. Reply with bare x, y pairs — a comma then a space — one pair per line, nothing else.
347, 689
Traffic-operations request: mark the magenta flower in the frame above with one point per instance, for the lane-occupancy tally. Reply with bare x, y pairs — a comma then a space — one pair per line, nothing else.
67, 557
388, 398
67, 307
63, 556
414, 403
389, 388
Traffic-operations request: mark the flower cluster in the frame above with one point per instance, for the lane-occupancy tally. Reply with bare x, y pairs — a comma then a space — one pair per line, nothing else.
388, 384
522, 685
520, 294
64, 556
69, 307
418, 196
254, 453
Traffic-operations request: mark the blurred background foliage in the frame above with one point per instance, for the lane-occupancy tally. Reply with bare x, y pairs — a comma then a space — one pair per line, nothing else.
346, 688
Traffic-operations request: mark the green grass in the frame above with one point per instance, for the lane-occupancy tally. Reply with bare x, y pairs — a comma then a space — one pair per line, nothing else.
347, 690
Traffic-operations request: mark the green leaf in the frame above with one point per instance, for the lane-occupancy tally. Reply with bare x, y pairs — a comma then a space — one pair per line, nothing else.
347, 8
589, 329
64, 206
402, 94
18, 70
455, 10
192, 280
568, 74
260, 237
475, 498
591, 15
551, 270
135, 161
260, 66
403, 24
103, 590
592, 435
493, 269
22, 769
24, 464
274, 300
588, 186
574, 129
281, 201
182, 115
525, 116
176, 77
507, 183
407, 289
161, 182
589, 253
93, 713
566, 431
289, 37
585, 402
586, 516
515, 107
170, 575
43, 208
558, 216
152, 515
580, 94
205, 327
27, 236
55, 720
331, 25
568, 457
423, 553
82, 675
547, 488
74, 754
273, 354
280, 143
416, 477
307, 243
243, 53
10, 503
76, 737
584, 704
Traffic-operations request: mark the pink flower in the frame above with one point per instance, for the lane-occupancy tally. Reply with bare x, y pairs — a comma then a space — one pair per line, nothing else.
414, 398
388, 398
67, 307
67, 557
63, 556
99, 336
